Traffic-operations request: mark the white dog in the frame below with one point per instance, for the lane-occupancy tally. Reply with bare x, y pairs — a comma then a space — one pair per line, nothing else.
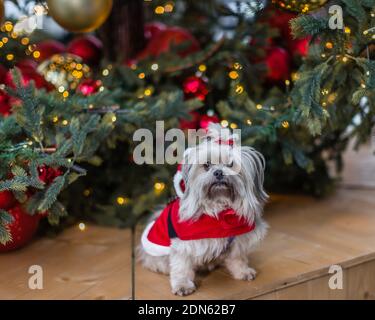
217, 219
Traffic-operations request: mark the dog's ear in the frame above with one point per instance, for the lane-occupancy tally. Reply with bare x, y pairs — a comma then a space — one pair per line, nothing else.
254, 164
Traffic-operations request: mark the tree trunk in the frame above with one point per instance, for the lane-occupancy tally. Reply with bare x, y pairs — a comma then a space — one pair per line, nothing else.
123, 33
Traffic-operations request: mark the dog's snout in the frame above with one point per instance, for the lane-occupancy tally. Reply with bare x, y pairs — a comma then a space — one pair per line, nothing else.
219, 174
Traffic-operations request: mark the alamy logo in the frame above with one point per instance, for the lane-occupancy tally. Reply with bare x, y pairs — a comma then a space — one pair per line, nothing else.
336, 21
169, 147
32, 22
335, 282
36, 280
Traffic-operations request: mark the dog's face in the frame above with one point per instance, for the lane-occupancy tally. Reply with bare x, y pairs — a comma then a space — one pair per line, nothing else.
219, 176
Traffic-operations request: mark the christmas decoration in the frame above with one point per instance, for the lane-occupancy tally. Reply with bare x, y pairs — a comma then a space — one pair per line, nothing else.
48, 174
89, 87
89, 48
278, 64
294, 123
302, 6
29, 73
172, 38
21, 229
206, 120
64, 71
3, 72
153, 29
299, 47
192, 123
7, 200
279, 20
195, 87
5, 105
80, 15
49, 48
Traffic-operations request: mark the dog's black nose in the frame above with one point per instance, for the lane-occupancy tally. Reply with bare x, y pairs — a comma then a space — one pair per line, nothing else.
219, 174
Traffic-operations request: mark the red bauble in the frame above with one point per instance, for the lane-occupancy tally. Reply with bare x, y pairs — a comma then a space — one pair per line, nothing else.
22, 229
49, 48
5, 105
198, 121
3, 72
166, 40
89, 48
299, 47
192, 123
48, 174
280, 20
29, 72
278, 64
152, 29
195, 87
206, 120
7, 200
89, 87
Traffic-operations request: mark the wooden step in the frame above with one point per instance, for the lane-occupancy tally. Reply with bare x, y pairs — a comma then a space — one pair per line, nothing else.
306, 237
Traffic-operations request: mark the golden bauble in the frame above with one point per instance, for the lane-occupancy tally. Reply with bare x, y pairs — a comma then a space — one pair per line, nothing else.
2, 11
301, 6
80, 15
64, 71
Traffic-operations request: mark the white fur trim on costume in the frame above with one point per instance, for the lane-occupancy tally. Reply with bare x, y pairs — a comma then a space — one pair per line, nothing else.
177, 183
151, 248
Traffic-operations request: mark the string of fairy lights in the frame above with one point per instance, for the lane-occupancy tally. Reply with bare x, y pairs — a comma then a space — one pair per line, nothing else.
77, 71
9, 34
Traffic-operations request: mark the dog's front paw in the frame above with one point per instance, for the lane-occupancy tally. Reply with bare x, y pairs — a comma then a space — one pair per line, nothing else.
246, 274
184, 289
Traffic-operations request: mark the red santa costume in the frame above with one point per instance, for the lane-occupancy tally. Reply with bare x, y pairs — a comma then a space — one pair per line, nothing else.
156, 238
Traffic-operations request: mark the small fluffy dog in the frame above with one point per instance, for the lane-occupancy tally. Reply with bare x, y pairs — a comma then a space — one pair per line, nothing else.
217, 219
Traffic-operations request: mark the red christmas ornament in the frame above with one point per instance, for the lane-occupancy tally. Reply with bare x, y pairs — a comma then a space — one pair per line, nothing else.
195, 87
152, 29
166, 40
280, 20
29, 72
48, 174
3, 72
299, 47
192, 123
89, 48
278, 64
5, 105
89, 87
206, 120
49, 48
7, 200
22, 229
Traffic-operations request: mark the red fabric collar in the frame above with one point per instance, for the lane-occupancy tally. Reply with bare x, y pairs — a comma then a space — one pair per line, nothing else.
167, 226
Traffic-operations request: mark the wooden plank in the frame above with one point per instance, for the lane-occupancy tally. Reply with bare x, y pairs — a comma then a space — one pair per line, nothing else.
305, 238
359, 283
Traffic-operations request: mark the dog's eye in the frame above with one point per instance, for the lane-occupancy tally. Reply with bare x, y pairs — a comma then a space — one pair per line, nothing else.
230, 165
207, 165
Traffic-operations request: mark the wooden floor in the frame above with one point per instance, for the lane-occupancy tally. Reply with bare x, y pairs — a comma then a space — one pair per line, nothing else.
306, 237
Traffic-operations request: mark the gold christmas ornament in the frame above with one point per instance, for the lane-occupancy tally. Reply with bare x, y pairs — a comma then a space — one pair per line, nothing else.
300, 6
2, 11
80, 15
64, 71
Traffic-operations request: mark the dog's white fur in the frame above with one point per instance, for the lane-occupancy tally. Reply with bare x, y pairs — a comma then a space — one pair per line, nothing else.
243, 169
